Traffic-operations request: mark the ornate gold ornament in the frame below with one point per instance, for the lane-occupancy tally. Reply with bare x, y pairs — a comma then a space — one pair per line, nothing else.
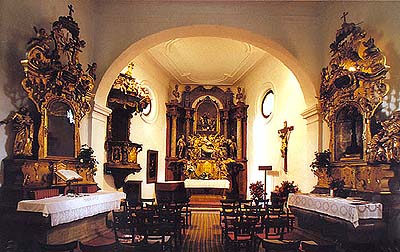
208, 156
352, 87
128, 92
57, 84
355, 74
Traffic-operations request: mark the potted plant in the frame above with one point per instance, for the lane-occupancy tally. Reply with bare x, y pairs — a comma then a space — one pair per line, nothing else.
87, 161
257, 190
280, 194
321, 162
336, 187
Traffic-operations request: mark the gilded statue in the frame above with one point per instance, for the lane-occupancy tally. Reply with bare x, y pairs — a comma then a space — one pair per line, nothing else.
385, 145
23, 125
284, 134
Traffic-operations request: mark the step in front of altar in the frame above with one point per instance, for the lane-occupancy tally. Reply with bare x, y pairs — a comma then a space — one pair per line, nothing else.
205, 201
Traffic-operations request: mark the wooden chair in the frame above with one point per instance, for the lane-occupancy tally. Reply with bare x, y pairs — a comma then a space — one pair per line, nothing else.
311, 246
242, 235
230, 214
154, 228
123, 227
156, 247
280, 245
227, 203
274, 229
70, 247
113, 247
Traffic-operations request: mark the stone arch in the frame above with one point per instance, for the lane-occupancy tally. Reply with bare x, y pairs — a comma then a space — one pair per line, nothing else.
268, 45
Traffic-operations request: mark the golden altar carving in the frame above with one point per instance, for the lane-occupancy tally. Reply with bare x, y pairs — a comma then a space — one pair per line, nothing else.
352, 88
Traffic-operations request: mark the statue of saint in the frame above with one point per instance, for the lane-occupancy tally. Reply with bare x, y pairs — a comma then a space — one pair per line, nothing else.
23, 126
181, 147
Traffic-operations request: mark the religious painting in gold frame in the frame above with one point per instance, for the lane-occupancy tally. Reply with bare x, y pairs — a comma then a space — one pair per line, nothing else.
152, 166
207, 117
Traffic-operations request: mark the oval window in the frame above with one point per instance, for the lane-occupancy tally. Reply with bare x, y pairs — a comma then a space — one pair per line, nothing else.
267, 104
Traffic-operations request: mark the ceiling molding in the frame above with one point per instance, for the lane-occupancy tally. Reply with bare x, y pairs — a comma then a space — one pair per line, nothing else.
206, 60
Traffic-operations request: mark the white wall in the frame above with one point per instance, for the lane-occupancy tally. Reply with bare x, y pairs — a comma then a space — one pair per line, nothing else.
150, 131
263, 139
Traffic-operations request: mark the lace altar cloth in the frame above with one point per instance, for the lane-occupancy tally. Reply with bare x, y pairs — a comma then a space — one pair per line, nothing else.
64, 209
348, 209
210, 183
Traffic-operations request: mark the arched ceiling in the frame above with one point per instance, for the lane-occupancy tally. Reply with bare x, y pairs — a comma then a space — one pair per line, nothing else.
206, 60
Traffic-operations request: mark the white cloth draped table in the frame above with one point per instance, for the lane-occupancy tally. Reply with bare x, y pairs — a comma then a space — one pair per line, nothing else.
350, 210
64, 209
210, 183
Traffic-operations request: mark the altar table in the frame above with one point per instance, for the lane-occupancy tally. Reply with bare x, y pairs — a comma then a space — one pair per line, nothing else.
64, 209
351, 210
207, 183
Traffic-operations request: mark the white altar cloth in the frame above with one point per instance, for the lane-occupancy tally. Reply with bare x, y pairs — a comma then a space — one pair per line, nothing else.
209, 183
350, 210
64, 209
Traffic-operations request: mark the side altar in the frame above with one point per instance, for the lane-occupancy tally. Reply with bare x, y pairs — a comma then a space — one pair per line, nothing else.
363, 158
35, 204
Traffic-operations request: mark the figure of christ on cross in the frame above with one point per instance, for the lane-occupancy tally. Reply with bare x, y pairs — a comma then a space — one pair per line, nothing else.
284, 134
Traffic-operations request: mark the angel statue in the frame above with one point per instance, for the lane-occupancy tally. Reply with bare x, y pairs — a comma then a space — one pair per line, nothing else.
22, 124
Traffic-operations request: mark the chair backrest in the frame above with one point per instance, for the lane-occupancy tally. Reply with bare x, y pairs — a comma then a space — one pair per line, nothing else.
113, 247
123, 227
70, 247
280, 246
275, 227
309, 247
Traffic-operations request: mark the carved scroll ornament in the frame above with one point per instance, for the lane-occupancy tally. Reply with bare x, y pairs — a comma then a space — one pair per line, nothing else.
52, 68
355, 74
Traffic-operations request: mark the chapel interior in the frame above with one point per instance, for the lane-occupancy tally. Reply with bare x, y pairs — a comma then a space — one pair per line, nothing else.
199, 126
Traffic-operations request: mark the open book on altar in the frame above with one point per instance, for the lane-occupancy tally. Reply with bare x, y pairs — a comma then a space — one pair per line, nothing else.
68, 175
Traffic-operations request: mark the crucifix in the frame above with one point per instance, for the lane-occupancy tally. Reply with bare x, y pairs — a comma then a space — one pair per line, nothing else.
284, 133
71, 9
344, 16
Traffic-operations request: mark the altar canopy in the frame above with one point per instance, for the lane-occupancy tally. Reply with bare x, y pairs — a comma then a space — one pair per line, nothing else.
64, 209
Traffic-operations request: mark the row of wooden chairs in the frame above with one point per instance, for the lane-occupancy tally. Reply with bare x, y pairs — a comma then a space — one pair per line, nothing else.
147, 225
248, 224
112, 247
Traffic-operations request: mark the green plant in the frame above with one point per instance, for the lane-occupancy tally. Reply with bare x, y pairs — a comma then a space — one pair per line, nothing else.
87, 159
336, 184
321, 160
256, 190
285, 188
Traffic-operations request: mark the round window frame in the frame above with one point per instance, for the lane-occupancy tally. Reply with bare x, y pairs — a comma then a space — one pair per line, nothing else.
269, 91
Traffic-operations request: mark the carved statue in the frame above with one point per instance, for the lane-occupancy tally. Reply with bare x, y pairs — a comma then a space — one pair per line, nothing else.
232, 147
176, 93
23, 126
181, 146
239, 95
284, 134
385, 145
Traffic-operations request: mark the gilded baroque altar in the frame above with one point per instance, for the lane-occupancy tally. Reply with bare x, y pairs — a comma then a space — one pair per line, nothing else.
365, 150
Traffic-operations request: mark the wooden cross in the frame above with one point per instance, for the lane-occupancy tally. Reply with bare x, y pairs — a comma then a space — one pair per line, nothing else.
71, 9
284, 134
344, 16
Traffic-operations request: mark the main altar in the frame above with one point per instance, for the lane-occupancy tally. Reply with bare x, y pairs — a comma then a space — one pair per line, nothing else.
206, 140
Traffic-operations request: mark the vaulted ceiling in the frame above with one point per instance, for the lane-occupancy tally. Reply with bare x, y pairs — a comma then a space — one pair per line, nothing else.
206, 60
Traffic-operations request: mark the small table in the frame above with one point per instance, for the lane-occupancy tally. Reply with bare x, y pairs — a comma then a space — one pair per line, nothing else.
348, 209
